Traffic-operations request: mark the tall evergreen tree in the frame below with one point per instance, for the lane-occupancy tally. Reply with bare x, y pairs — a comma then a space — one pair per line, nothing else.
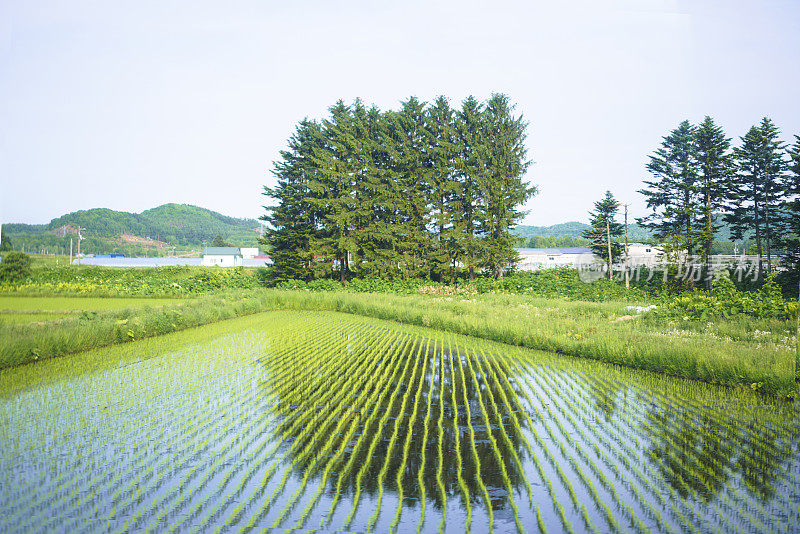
790, 238
333, 191
292, 220
470, 172
604, 229
406, 193
502, 186
757, 189
441, 163
673, 193
410, 175
715, 165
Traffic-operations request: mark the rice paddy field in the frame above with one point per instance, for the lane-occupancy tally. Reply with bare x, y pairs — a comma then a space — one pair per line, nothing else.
333, 422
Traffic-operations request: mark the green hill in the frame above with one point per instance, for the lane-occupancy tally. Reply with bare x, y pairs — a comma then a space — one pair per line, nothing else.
172, 225
568, 235
573, 229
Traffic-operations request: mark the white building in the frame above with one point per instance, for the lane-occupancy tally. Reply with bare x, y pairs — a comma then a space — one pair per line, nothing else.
249, 253
532, 259
222, 257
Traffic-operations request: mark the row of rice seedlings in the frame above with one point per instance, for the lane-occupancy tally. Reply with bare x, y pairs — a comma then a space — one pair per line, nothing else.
171, 500
734, 440
631, 453
234, 442
495, 449
512, 402
407, 445
68, 485
724, 517
113, 506
475, 455
457, 433
376, 438
567, 483
234, 439
632, 516
420, 365
425, 432
379, 389
503, 372
347, 417
333, 396
440, 439
387, 390
550, 379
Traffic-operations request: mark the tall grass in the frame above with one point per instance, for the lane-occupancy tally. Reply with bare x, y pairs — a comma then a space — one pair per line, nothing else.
730, 352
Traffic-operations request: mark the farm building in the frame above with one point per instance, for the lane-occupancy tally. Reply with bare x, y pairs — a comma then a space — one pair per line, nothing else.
532, 259
222, 257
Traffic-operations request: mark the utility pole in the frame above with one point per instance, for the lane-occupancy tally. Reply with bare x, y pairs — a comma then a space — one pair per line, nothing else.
70, 251
627, 276
608, 238
80, 237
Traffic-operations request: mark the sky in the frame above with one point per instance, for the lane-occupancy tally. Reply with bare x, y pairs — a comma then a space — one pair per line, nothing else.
130, 105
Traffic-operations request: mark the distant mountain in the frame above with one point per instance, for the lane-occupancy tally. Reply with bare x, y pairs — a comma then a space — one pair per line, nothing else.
178, 225
573, 229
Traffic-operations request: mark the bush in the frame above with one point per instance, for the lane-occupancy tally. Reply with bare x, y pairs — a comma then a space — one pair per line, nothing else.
15, 266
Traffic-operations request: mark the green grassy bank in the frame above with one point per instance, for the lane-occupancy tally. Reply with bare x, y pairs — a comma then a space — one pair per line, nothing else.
757, 353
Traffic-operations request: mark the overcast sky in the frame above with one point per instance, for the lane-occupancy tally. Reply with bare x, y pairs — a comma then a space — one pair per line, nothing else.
132, 105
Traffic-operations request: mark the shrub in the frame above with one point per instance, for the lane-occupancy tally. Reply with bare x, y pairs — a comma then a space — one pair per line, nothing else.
15, 266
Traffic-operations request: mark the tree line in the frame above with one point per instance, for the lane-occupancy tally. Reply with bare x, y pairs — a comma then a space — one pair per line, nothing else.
426, 191
697, 174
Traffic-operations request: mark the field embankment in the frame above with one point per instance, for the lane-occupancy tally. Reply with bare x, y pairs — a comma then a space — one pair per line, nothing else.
757, 353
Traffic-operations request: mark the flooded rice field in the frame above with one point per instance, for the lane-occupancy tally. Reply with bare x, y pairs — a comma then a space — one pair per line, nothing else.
330, 422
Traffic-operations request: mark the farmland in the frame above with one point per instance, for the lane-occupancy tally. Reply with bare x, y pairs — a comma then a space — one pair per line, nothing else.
322, 420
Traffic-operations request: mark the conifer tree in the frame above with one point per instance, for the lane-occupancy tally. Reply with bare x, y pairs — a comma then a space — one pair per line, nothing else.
501, 187
790, 238
409, 177
715, 165
673, 193
292, 220
757, 189
470, 172
604, 229
441, 161
333, 191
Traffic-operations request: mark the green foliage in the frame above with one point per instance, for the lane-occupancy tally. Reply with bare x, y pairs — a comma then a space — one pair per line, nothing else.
15, 267
5, 243
727, 301
556, 242
604, 230
401, 194
218, 241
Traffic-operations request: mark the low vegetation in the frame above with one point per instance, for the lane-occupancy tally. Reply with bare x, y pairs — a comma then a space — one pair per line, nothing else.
757, 352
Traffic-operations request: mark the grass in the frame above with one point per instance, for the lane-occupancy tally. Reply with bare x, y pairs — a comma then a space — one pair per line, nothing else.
757, 353
26, 309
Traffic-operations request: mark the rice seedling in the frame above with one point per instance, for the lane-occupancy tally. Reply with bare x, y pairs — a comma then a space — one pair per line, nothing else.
296, 419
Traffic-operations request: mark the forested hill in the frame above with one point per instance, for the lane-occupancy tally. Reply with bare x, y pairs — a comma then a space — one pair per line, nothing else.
573, 229
175, 224
569, 235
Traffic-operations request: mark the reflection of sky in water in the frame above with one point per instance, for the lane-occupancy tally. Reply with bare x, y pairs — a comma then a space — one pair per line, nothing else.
243, 426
